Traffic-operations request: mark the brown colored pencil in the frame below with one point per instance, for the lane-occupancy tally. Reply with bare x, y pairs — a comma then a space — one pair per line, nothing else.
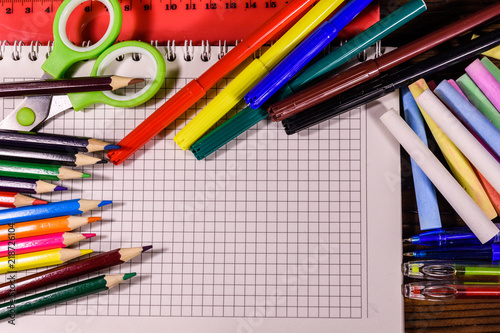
65, 86
70, 270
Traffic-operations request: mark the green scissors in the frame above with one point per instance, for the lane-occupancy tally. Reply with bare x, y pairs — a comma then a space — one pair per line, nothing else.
34, 110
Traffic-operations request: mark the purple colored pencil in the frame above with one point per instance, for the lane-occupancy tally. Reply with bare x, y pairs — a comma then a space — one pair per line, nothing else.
32, 186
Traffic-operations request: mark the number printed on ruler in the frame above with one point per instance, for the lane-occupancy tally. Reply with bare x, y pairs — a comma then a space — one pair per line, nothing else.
146, 20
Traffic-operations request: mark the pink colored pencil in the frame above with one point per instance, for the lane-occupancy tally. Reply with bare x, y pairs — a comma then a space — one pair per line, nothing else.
41, 243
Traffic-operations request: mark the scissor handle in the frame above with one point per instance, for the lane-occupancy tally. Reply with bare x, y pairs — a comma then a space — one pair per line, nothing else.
156, 74
66, 53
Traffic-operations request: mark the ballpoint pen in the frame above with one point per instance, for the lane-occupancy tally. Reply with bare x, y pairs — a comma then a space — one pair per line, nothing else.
448, 237
439, 291
488, 252
452, 270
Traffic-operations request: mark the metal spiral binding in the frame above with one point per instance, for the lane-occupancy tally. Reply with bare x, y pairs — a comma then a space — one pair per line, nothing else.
170, 51
188, 50
34, 50
206, 52
17, 53
3, 44
222, 49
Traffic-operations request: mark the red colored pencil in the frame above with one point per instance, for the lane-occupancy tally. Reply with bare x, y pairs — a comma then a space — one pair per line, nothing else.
41, 243
70, 270
13, 200
196, 89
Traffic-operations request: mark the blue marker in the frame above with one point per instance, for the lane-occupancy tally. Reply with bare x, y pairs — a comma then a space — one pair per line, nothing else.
304, 53
490, 252
54, 209
427, 206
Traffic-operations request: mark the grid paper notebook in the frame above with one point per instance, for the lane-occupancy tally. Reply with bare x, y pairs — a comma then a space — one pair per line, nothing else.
271, 233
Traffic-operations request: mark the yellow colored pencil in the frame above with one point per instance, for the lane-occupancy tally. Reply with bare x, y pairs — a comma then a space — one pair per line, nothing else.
253, 73
458, 163
39, 259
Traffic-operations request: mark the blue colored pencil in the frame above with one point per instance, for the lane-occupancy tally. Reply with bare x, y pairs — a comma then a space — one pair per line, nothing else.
475, 121
54, 209
428, 210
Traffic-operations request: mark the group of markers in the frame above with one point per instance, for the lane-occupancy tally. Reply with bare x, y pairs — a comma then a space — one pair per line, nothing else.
35, 234
464, 119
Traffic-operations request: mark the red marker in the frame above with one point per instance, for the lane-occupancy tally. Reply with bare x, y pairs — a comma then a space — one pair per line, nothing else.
196, 89
13, 200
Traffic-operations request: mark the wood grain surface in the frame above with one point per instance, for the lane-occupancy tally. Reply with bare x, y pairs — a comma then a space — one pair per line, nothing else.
452, 316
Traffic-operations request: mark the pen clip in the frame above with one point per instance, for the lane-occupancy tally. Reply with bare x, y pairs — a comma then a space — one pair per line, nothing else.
442, 291
438, 271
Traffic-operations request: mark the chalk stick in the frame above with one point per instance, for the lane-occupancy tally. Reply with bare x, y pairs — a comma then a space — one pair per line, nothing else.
474, 120
485, 81
494, 70
461, 202
458, 163
478, 99
425, 193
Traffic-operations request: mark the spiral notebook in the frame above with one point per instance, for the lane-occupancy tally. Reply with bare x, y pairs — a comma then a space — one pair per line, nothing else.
272, 233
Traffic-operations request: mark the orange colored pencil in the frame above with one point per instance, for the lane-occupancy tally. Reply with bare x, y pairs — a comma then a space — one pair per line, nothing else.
44, 227
13, 200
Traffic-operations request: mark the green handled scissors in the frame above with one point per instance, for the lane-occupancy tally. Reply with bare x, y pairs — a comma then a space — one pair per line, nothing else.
34, 110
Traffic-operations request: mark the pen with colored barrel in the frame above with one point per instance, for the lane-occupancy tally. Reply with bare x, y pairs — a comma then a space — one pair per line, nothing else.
488, 252
249, 117
448, 237
303, 53
439, 291
388, 83
452, 270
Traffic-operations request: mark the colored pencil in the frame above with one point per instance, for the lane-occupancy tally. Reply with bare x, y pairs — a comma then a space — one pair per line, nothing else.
59, 240
52, 141
53, 209
62, 294
70, 270
39, 259
13, 200
352, 77
72, 159
196, 89
44, 227
10, 184
65, 86
38, 171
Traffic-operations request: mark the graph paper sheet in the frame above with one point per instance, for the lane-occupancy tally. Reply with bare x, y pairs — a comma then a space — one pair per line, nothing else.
273, 233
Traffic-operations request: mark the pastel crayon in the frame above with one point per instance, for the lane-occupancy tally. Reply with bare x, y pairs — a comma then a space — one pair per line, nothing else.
485, 81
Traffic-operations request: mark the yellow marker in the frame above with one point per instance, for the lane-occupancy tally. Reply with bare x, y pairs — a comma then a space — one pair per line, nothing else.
458, 163
39, 259
251, 75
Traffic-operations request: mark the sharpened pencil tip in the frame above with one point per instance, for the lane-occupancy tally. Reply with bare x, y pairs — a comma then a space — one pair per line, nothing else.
146, 248
85, 175
94, 219
102, 162
86, 251
39, 202
135, 81
408, 254
105, 202
128, 276
87, 236
60, 188
110, 147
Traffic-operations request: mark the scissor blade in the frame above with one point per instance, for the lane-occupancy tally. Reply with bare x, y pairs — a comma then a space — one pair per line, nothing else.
36, 107
60, 103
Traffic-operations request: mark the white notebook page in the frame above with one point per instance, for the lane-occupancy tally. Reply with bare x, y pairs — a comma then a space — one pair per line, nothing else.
272, 233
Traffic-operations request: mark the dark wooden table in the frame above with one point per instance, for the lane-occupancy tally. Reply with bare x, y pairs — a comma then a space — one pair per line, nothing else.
452, 316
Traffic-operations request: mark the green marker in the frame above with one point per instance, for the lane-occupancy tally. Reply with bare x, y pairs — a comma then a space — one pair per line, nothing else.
248, 117
38, 171
62, 295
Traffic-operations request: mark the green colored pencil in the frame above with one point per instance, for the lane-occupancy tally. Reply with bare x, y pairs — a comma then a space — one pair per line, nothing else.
61, 295
38, 171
